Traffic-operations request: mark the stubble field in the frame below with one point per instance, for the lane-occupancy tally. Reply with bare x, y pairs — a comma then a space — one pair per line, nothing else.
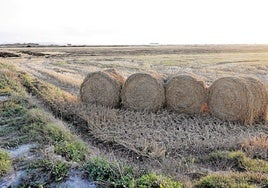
184, 147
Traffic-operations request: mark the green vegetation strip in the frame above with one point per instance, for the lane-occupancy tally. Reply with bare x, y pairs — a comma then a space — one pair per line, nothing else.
31, 124
44, 173
233, 180
114, 175
237, 161
23, 122
247, 172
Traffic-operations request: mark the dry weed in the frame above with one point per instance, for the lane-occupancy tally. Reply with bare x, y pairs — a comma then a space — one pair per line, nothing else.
64, 78
256, 146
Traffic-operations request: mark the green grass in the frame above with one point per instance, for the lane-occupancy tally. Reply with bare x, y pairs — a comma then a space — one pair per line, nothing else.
44, 172
45, 132
109, 174
5, 162
237, 161
233, 180
72, 151
252, 165
31, 124
247, 172
23, 122
153, 180
59, 63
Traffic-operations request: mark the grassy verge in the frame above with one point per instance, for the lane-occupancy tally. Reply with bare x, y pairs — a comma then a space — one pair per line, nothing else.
236, 161
22, 122
29, 124
236, 170
233, 180
118, 175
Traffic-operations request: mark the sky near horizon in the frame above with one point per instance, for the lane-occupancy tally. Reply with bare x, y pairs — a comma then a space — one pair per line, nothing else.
100, 22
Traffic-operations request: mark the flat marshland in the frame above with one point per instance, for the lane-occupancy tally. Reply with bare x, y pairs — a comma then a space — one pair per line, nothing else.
196, 150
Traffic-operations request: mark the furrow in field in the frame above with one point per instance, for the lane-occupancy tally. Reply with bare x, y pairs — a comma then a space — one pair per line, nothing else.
70, 83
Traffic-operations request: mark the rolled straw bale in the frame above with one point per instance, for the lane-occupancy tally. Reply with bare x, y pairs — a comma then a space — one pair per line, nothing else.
238, 99
144, 91
102, 87
186, 94
260, 103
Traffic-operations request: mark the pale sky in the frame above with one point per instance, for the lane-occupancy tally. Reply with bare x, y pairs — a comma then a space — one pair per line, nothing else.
98, 22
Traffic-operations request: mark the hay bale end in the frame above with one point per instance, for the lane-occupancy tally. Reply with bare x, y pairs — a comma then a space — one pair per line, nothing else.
102, 87
185, 94
144, 91
238, 99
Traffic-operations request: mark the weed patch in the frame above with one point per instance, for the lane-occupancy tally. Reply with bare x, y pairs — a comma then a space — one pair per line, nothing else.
74, 151
233, 180
5, 162
153, 180
256, 147
236, 161
109, 174
118, 175
44, 172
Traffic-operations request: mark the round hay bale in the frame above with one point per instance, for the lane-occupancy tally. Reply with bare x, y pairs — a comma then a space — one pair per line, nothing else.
186, 94
259, 106
102, 87
144, 91
237, 99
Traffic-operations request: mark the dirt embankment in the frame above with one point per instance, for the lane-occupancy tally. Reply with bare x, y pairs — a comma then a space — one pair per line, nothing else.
8, 54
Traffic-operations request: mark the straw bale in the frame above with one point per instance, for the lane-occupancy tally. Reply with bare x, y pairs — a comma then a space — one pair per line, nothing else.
238, 99
144, 91
102, 87
186, 94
